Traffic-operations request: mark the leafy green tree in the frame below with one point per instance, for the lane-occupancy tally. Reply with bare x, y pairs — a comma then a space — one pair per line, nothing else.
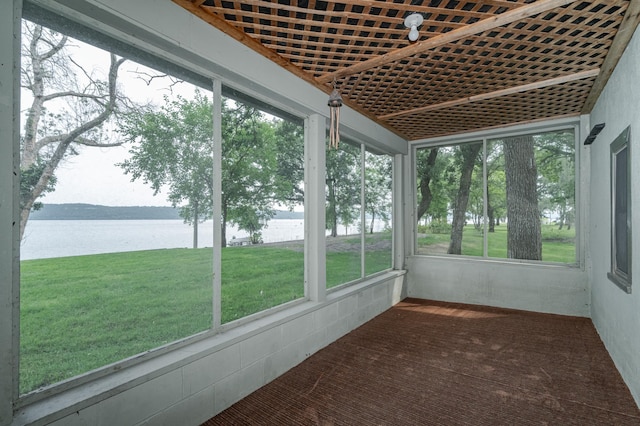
436, 183
249, 169
467, 158
377, 189
171, 149
496, 196
289, 153
556, 169
425, 170
343, 186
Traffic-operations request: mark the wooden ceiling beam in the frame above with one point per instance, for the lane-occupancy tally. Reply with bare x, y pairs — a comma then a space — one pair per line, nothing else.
619, 44
498, 93
505, 18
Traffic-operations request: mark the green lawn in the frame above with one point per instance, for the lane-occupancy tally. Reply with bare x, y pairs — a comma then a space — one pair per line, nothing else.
83, 312
557, 245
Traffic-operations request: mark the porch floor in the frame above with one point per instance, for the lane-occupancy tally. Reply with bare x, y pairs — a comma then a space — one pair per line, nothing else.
434, 363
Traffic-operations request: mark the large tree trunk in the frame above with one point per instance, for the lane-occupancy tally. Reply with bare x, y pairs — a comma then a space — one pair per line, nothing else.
490, 213
469, 155
425, 180
524, 240
373, 220
333, 212
223, 224
195, 224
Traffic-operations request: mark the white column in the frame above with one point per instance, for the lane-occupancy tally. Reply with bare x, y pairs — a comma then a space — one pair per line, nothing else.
315, 130
408, 200
398, 211
10, 12
217, 200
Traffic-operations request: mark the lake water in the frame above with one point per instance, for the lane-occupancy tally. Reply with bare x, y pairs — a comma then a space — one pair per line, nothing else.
58, 238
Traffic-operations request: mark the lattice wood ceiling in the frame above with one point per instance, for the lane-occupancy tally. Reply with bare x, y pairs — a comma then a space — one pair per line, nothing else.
477, 64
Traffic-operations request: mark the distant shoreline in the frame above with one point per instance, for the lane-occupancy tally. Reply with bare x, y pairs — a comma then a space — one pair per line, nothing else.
81, 211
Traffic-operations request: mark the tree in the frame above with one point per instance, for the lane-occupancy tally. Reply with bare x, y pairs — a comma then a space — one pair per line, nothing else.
426, 160
377, 189
289, 153
556, 167
524, 239
69, 104
343, 186
249, 168
172, 148
469, 155
496, 197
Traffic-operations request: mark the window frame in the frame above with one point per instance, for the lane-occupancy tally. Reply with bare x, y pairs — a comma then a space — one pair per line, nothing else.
362, 218
197, 70
485, 137
219, 88
623, 279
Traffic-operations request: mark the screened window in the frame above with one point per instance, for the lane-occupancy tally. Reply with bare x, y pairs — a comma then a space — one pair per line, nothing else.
116, 246
621, 212
378, 207
262, 211
512, 198
358, 214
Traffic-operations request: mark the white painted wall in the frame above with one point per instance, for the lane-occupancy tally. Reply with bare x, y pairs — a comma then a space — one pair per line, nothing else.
541, 288
616, 314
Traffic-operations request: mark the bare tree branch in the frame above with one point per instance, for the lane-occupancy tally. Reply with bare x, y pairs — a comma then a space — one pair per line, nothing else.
42, 72
148, 78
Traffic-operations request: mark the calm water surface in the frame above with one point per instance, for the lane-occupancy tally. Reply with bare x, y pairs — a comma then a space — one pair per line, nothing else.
58, 238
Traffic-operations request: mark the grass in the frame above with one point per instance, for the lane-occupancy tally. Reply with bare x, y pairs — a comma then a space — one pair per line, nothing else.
557, 245
83, 312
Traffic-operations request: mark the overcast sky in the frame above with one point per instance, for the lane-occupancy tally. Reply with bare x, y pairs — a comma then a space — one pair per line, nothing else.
92, 176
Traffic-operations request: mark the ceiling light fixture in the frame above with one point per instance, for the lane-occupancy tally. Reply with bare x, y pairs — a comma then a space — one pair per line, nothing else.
413, 21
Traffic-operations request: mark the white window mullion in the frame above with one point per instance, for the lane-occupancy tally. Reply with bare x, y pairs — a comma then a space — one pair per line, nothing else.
363, 210
485, 204
9, 220
315, 261
217, 203
397, 220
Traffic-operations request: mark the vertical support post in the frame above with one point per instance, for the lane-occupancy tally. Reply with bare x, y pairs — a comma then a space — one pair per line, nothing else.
363, 206
398, 221
217, 200
409, 201
314, 208
582, 191
485, 204
10, 15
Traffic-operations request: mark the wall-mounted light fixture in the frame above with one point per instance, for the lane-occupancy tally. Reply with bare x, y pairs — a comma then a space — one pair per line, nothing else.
413, 21
594, 132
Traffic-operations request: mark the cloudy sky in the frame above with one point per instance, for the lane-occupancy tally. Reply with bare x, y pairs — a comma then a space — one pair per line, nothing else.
92, 176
